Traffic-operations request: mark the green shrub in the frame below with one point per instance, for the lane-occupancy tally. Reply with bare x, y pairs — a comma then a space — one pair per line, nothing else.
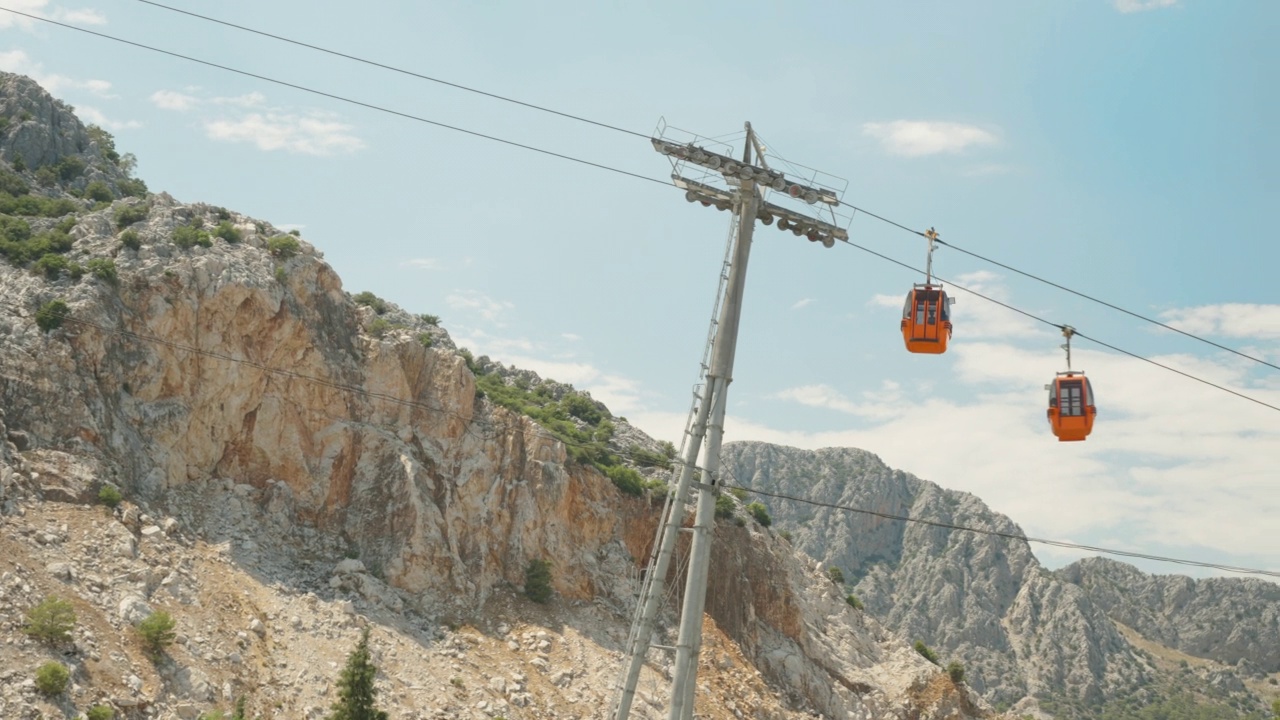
12, 184
51, 621
648, 458
370, 300
46, 176
295, 232
432, 320
19, 164
282, 277
69, 168
537, 581
724, 506
127, 215
98, 190
109, 496
106, 145
785, 535
100, 712
157, 632
132, 187
52, 677
836, 575
130, 240
926, 653
36, 205
227, 231
424, 339
51, 314
104, 269
853, 601
955, 671
14, 230
213, 715
627, 480
283, 246
52, 265
380, 327
760, 513
64, 226
582, 407
188, 236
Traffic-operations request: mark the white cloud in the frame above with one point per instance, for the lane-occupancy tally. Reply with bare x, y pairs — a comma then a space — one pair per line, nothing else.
1237, 320
1173, 466
421, 263
95, 116
571, 337
253, 99
479, 304
1133, 6
17, 61
170, 100
81, 16
916, 138
310, 134
803, 302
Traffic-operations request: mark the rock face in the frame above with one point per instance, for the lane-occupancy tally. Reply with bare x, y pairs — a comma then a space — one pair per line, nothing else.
981, 599
1226, 619
1021, 631
342, 451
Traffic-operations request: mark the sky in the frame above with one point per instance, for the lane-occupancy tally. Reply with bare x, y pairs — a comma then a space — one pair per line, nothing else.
1122, 148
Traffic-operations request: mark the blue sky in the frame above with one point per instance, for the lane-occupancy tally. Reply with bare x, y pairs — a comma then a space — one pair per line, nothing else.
1124, 148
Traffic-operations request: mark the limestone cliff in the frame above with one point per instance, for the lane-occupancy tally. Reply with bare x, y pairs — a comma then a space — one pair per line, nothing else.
1026, 636
340, 455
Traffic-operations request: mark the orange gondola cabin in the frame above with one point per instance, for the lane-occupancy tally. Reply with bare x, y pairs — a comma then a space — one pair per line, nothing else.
1071, 408
926, 320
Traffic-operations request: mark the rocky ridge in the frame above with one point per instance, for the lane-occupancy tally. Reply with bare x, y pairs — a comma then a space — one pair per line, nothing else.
297, 465
1065, 641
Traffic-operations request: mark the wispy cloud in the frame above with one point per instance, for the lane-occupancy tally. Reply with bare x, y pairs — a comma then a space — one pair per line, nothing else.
247, 119
312, 134
917, 138
40, 8
421, 263
17, 61
1173, 466
171, 100
95, 116
479, 304
1133, 6
1237, 320
803, 302
571, 337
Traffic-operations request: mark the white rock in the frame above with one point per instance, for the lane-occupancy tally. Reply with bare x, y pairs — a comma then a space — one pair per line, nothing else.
350, 565
134, 609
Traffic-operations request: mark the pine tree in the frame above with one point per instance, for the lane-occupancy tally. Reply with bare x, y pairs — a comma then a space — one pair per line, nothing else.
355, 686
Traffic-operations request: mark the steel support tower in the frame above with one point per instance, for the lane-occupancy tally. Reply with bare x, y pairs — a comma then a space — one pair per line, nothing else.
748, 181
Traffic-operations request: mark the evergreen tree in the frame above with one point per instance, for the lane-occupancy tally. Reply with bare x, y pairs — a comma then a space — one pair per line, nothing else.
355, 686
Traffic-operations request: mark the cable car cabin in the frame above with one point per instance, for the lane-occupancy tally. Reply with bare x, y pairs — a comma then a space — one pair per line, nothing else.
1071, 408
926, 320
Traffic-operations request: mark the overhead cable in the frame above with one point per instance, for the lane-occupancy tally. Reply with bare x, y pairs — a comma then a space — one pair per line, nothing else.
1012, 536
1060, 326
340, 98
393, 68
355, 390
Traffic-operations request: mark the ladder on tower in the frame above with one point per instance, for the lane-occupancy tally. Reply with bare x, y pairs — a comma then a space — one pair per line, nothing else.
699, 389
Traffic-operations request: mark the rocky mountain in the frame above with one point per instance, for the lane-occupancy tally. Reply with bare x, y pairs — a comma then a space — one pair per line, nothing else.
1089, 637
1234, 621
297, 463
